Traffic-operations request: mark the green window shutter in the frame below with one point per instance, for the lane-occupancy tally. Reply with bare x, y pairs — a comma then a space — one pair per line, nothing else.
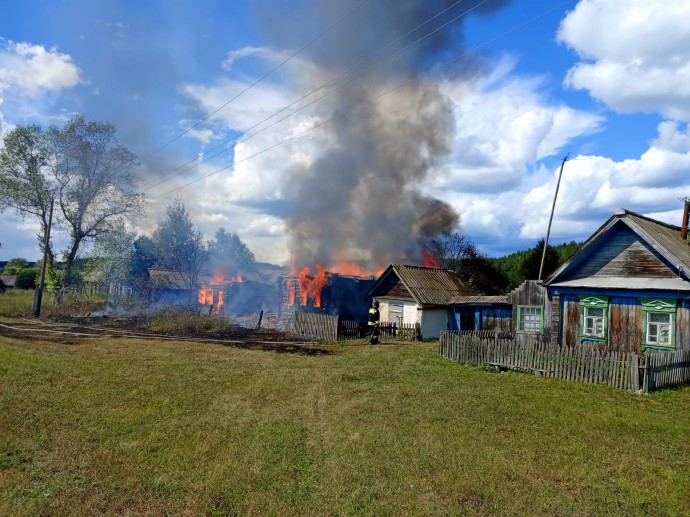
594, 319
658, 324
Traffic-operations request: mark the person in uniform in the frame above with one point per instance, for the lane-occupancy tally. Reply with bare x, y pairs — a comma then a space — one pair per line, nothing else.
374, 322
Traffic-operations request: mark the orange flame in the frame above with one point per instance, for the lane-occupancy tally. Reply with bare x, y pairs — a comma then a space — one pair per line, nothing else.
317, 284
205, 296
303, 278
353, 269
220, 278
429, 259
291, 292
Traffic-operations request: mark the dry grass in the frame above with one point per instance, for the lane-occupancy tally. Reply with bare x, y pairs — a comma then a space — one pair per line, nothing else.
134, 427
180, 320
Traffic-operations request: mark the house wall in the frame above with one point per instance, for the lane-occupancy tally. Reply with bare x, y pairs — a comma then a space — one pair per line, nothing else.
625, 319
433, 321
410, 312
532, 294
482, 317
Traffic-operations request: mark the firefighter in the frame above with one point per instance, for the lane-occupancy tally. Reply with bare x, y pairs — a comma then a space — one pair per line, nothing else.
374, 322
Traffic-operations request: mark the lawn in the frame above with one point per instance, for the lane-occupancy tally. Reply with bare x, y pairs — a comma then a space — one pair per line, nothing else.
114, 426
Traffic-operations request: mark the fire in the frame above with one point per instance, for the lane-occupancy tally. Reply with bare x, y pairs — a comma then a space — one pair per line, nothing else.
429, 259
317, 284
220, 278
205, 296
353, 269
291, 292
304, 279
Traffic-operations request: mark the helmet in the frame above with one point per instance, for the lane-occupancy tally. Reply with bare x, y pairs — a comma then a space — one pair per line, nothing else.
376, 303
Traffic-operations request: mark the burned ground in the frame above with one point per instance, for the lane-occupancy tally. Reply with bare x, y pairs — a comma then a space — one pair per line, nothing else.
76, 331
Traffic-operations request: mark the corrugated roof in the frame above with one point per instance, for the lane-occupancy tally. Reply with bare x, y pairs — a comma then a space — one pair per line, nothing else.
663, 237
667, 235
428, 286
170, 279
477, 300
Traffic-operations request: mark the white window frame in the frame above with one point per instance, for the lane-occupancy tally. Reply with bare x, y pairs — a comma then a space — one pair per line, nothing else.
533, 323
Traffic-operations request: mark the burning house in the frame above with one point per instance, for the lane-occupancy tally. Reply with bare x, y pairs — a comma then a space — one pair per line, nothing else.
324, 291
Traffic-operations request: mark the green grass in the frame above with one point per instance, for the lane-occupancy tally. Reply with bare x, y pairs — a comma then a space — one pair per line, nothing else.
144, 427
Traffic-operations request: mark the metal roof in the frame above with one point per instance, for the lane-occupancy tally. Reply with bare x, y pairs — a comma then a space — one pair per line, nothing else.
8, 280
479, 300
428, 286
170, 279
664, 238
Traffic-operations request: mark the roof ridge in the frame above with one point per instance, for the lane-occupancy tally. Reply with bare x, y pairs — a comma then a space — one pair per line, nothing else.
661, 223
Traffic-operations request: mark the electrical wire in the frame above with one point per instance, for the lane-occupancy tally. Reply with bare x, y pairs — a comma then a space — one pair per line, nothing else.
192, 164
370, 99
279, 65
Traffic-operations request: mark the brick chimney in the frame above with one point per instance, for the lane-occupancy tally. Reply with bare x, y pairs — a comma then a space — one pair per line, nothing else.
684, 226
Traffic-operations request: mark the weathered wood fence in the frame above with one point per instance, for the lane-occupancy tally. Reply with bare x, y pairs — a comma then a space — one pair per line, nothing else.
622, 370
330, 328
313, 325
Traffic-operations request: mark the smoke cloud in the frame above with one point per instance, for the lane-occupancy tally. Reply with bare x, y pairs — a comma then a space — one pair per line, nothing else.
359, 199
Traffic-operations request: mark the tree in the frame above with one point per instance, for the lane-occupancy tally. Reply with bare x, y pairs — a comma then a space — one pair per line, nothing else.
94, 181
24, 186
111, 254
26, 279
179, 246
475, 270
15, 265
529, 269
229, 254
143, 256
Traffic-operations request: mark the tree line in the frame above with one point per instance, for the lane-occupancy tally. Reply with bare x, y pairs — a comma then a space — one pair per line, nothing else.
494, 276
79, 179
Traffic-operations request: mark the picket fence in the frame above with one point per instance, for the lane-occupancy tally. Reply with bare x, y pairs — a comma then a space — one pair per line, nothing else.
622, 370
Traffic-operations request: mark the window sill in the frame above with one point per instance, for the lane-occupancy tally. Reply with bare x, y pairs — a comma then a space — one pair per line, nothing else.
664, 348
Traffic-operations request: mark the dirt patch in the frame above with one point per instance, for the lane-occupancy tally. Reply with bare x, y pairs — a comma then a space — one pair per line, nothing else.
74, 331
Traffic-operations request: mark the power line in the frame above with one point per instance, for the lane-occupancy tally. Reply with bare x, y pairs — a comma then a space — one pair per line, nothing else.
259, 80
192, 164
371, 99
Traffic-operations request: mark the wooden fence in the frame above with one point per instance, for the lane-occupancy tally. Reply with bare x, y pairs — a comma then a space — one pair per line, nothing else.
352, 329
623, 370
312, 325
665, 369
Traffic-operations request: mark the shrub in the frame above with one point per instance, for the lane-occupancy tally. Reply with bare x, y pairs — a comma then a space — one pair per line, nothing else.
26, 279
486, 367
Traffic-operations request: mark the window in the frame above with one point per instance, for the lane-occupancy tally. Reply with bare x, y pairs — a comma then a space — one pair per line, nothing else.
530, 319
659, 321
395, 313
594, 316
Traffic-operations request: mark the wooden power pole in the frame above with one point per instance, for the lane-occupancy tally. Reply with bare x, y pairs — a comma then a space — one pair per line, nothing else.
553, 207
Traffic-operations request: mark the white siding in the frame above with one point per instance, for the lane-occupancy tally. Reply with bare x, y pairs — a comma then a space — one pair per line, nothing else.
433, 322
409, 312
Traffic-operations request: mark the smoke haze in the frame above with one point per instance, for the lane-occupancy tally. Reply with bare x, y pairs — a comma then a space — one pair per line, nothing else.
359, 200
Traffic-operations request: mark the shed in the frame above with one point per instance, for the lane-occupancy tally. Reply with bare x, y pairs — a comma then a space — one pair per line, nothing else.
626, 288
476, 312
418, 295
8, 280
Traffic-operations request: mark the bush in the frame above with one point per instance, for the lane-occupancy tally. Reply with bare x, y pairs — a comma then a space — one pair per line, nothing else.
26, 279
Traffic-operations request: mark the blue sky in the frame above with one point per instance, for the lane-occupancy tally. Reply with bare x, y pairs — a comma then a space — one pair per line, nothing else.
603, 80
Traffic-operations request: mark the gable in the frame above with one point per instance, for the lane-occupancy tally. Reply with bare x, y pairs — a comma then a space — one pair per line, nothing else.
392, 287
621, 258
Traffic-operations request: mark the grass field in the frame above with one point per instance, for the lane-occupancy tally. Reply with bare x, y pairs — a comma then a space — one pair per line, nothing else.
144, 427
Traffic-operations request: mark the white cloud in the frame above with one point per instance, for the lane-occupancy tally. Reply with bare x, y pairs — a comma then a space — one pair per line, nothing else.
240, 53
35, 69
635, 54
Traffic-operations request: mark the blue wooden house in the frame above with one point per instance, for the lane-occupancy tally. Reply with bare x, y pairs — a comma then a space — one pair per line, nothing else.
626, 288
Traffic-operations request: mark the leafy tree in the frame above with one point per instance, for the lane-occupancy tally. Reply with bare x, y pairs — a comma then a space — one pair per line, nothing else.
24, 185
15, 265
94, 181
532, 261
111, 254
475, 269
179, 246
143, 256
231, 255
26, 279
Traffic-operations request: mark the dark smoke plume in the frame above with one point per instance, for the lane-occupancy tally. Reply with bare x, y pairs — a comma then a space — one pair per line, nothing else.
360, 200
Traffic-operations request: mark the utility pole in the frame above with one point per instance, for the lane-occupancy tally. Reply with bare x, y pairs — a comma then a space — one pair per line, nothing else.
553, 207
38, 294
